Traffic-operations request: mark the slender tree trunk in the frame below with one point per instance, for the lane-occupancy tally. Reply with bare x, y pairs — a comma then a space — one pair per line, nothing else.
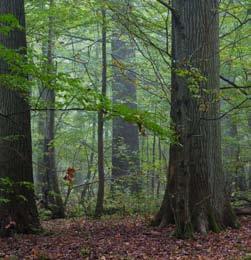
195, 197
249, 124
39, 172
15, 138
148, 162
101, 170
231, 151
240, 177
125, 138
90, 159
51, 191
249, 163
39, 175
160, 169
153, 165
142, 149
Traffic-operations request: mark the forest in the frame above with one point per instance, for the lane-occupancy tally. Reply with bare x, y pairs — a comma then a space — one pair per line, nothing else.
125, 129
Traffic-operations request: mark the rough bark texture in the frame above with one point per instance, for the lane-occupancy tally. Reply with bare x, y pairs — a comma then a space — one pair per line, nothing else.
51, 192
15, 138
195, 198
125, 139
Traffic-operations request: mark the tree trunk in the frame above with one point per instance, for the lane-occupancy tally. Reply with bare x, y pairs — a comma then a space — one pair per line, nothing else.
15, 138
90, 159
39, 174
234, 166
101, 170
160, 169
39, 144
153, 165
125, 138
195, 197
249, 160
51, 192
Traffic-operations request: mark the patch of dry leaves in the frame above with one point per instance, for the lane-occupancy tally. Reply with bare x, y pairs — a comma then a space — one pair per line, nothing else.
128, 238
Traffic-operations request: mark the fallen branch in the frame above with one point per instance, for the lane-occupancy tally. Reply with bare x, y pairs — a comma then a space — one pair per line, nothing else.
242, 199
243, 211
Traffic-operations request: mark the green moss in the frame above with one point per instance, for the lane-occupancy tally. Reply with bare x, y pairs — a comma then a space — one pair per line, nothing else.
230, 218
247, 257
184, 231
213, 224
235, 223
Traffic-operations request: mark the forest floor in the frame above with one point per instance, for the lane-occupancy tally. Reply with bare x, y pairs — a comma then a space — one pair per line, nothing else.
127, 238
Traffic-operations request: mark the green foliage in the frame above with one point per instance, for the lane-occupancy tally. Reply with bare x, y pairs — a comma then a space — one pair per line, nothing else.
5, 188
193, 77
44, 214
8, 190
76, 78
85, 252
8, 23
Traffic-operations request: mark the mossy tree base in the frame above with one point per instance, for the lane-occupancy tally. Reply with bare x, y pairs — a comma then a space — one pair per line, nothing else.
203, 222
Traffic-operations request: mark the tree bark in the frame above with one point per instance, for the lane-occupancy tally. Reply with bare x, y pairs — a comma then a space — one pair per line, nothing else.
153, 165
195, 197
125, 136
51, 192
249, 163
160, 169
15, 137
101, 167
90, 160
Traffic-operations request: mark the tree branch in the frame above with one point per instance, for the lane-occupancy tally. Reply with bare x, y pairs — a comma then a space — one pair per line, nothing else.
235, 85
167, 6
173, 11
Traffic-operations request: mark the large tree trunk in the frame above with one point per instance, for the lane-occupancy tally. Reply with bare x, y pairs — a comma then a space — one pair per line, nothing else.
195, 197
15, 139
125, 138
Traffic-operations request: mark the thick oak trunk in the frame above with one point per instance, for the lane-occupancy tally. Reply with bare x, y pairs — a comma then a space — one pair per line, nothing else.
125, 138
15, 139
195, 198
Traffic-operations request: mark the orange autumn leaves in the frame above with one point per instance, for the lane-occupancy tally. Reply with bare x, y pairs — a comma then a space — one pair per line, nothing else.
69, 176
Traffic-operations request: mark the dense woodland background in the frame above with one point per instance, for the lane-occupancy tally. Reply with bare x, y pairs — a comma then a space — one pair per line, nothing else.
134, 108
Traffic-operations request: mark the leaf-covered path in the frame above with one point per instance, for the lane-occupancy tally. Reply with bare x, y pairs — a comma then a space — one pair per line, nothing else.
128, 238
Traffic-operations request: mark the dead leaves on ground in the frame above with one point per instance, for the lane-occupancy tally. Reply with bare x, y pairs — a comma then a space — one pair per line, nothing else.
127, 239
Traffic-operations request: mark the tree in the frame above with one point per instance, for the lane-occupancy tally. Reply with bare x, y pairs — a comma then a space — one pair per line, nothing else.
249, 158
195, 197
17, 204
50, 190
101, 166
125, 136
235, 166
